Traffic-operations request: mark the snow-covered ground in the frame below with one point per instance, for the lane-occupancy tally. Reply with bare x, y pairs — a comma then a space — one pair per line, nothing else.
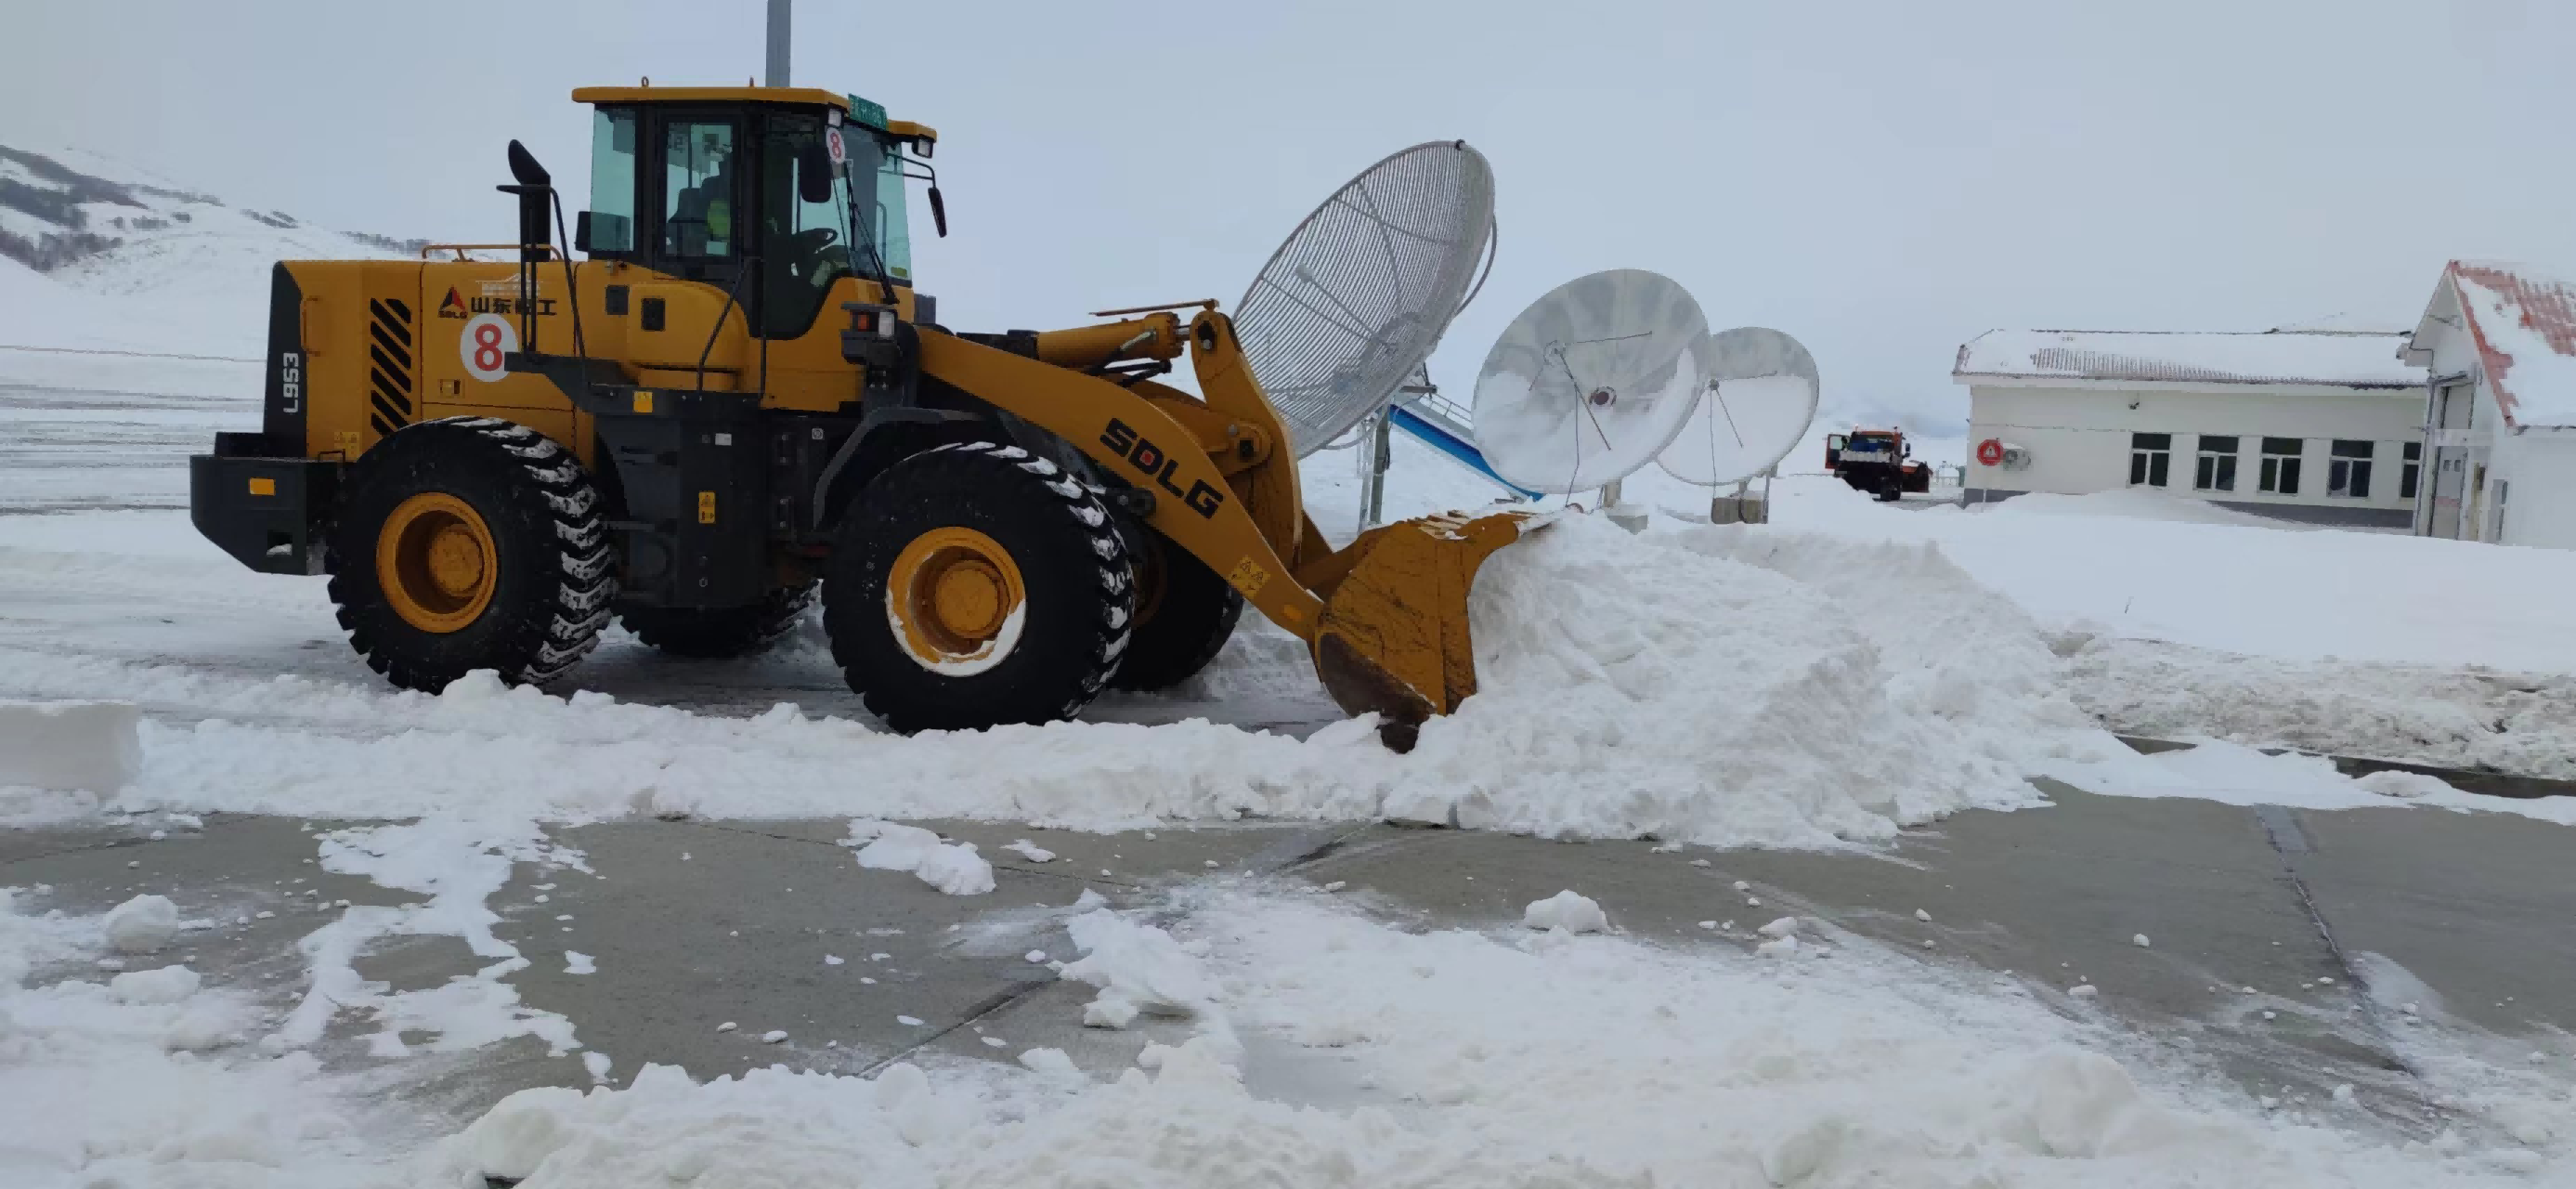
1822, 681
1503, 1057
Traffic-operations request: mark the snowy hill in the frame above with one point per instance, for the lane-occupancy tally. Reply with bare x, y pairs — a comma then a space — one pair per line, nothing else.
99, 255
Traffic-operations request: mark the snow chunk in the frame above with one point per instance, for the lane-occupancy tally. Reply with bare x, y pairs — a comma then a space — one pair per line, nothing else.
169, 984
2403, 785
1138, 968
2139, 940
1052, 1064
1778, 947
773, 1036
1779, 928
1568, 910
953, 868
576, 962
1029, 850
142, 924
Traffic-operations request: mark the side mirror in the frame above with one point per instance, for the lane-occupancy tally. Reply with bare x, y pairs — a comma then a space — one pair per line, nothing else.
597, 231
813, 174
524, 168
532, 186
939, 212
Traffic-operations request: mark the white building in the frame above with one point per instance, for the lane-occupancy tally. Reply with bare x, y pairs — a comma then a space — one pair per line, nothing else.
2315, 425
2499, 342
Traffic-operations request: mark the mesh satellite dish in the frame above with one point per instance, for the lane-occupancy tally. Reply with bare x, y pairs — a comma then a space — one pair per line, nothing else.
1591, 381
1362, 290
1761, 397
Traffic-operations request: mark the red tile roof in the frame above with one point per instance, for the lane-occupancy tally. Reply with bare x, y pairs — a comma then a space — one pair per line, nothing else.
2524, 326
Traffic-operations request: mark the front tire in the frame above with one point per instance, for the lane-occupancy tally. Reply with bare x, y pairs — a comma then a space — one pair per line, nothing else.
973, 585
470, 543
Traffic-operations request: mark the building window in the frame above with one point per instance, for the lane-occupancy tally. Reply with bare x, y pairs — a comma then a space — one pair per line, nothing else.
2216, 468
2150, 458
2406, 476
2348, 471
2281, 465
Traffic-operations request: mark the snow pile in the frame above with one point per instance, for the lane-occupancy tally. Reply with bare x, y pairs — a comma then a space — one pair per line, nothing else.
2234, 774
2253, 592
2521, 723
1729, 685
769, 1129
1568, 910
952, 867
2137, 503
1467, 1061
143, 1082
86, 746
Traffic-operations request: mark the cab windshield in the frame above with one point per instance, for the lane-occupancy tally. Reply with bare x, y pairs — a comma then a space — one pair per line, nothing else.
873, 170
859, 230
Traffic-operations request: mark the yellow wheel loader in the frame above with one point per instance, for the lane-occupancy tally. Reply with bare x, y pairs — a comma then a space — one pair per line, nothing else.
736, 398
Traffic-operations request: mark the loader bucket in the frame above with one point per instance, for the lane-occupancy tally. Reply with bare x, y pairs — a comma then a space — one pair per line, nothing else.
1394, 636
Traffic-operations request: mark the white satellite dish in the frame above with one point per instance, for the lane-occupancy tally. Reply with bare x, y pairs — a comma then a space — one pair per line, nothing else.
1361, 291
1591, 381
1761, 396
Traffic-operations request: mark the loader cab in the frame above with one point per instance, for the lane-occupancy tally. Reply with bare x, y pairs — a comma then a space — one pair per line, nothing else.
771, 194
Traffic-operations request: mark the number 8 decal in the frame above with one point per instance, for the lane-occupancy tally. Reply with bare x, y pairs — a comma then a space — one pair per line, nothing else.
486, 345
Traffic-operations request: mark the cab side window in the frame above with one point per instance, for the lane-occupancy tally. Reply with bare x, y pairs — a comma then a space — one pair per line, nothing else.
611, 218
702, 193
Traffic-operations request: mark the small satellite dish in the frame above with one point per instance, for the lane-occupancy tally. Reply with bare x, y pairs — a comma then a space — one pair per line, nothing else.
1761, 396
1591, 381
1362, 290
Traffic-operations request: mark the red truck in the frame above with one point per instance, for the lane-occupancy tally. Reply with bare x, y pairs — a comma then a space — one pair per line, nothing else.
1876, 461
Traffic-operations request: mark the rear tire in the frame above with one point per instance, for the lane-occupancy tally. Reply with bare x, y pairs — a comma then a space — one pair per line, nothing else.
1001, 520
515, 574
1184, 615
716, 633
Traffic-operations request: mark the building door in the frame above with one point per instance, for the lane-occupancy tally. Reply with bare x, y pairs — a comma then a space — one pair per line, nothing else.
2450, 459
2475, 521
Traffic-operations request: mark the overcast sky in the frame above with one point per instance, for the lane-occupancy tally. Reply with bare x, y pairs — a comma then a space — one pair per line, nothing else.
1882, 179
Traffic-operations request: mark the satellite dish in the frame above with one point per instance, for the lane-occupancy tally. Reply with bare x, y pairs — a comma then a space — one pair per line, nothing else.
1362, 290
1591, 381
1761, 396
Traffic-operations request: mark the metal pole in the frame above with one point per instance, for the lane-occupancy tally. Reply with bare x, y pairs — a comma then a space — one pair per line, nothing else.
778, 14
1373, 464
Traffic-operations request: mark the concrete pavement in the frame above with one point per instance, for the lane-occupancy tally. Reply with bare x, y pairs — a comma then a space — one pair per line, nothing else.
696, 923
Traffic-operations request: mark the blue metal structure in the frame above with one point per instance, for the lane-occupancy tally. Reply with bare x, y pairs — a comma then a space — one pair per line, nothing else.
1445, 439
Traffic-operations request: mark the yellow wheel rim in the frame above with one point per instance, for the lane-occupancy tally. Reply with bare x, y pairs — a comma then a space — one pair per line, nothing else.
952, 594
436, 563
1153, 577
